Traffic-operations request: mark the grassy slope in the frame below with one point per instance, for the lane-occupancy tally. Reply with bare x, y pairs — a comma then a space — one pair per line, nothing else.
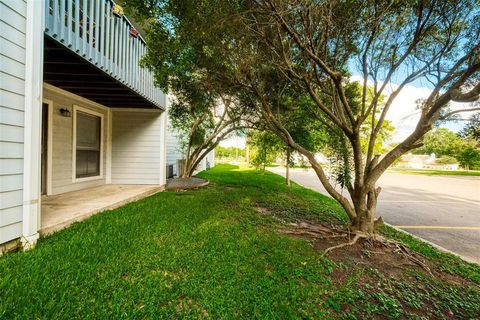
208, 253
428, 172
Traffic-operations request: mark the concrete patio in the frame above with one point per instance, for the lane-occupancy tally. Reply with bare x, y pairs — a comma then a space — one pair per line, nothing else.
60, 211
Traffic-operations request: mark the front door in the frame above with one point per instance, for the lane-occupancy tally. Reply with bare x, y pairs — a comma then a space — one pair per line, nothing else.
44, 154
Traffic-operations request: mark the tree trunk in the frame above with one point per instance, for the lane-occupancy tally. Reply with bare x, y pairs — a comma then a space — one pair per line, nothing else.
287, 166
187, 173
364, 222
365, 203
188, 168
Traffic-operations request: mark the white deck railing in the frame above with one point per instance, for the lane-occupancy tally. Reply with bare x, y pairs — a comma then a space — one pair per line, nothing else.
90, 29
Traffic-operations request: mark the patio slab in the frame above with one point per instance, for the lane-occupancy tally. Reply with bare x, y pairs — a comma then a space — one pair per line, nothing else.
60, 211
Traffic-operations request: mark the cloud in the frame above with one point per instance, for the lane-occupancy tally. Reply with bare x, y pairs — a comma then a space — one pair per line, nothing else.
403, 112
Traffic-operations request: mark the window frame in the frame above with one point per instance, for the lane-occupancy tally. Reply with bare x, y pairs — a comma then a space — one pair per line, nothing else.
77, 109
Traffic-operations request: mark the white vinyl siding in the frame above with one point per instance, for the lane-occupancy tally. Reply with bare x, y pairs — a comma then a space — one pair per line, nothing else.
203, 164
62, 141
136, 147
12, 103
211, 158
11, 231
174, 153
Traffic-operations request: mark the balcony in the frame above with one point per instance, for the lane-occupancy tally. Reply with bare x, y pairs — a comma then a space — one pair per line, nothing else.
93, 50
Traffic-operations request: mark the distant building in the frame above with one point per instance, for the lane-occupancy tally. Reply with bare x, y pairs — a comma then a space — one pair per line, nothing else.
418, 161
451, 166
424, 161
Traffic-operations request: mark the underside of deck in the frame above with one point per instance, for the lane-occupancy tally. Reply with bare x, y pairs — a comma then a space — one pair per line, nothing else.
71, 72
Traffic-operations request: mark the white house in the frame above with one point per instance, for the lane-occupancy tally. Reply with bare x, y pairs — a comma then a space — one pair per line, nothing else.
82, 125
418, 161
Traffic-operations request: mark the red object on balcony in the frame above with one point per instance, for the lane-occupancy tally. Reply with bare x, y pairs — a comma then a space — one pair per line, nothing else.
134, 32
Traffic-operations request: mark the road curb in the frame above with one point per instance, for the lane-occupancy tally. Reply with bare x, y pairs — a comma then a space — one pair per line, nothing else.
436, 246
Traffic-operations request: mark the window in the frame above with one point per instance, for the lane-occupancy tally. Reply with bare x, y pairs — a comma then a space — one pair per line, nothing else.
88, 138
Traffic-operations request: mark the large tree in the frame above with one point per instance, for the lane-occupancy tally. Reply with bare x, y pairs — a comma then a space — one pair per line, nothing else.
203, 110
392, 44
265, 49
265, 148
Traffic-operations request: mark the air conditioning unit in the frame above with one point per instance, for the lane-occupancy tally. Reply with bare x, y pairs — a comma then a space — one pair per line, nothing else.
169, 171
180, 166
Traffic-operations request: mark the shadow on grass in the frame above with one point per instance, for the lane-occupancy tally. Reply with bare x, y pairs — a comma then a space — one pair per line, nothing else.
208, 253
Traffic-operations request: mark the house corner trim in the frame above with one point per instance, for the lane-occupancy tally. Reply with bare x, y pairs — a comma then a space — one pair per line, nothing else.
33, 122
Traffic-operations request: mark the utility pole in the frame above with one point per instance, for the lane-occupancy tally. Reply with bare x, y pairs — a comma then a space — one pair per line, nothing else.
287, 167
236, 148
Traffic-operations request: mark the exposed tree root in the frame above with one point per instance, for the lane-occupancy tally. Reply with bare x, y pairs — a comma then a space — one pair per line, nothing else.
341, 245
334, 236
315, 231
407, 254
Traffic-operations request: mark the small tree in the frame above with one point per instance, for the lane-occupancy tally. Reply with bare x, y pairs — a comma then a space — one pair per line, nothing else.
265, 147
229, 152
469, 157
441, 142
201, 122
204, 111
446, 160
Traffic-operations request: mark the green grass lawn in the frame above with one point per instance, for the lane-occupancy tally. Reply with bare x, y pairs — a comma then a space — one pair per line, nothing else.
430, 172
209, 253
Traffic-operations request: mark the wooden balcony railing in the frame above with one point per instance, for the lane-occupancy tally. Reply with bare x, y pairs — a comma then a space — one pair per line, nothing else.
91, 29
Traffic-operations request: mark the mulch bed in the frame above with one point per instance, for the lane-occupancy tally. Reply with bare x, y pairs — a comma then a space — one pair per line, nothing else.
185, 183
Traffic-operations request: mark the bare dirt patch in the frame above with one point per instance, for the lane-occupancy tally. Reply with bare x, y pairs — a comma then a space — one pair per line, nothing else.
263, 211
388, 257
229, 187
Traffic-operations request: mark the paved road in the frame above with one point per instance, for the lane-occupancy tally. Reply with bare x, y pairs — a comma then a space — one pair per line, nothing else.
442, 209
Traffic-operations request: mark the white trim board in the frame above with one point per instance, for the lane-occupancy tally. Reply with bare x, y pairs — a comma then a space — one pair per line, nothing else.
108, 173
136, 110
77, 108
49, 146
32, 122
96, 104
67, 94
163, 150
